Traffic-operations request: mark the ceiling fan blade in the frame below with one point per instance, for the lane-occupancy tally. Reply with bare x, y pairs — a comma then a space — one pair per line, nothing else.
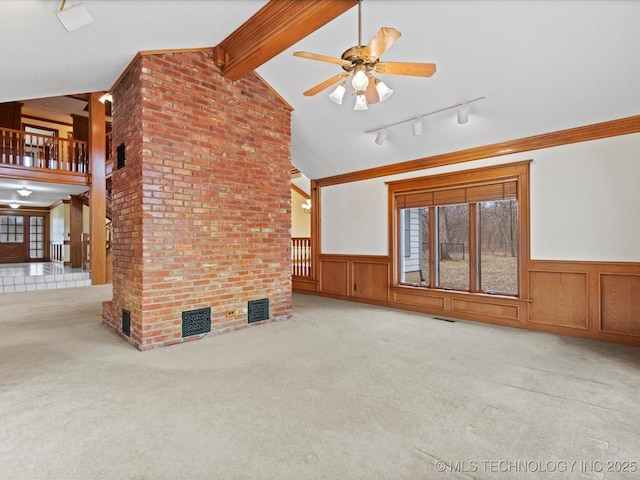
323, 58
406, 68
377, 46
327, 83
371, 93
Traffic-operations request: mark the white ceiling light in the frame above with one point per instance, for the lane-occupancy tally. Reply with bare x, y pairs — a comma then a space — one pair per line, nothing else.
417, 127
360, 82
338, 94
463, 114
106, 97
361, 102
384, 92
24, 192
463, 117
74, 17
14, 204
382, 136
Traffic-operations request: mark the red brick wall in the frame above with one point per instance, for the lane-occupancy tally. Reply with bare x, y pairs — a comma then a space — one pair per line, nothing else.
201, 212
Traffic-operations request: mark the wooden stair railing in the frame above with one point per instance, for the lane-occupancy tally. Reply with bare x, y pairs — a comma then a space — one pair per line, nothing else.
26, 149
301, 256
86, 249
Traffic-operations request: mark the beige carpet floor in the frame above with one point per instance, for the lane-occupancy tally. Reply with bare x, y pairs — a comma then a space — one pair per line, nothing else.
341, 391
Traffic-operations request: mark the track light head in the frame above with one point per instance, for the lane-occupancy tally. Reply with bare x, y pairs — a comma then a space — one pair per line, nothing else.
382, 136
417, 127
463, 114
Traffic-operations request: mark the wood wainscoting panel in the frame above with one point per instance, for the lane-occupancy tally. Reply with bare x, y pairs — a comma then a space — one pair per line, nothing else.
333, 276
620, 303
486, 309
418, 300
303, 284
559, 298
370, 280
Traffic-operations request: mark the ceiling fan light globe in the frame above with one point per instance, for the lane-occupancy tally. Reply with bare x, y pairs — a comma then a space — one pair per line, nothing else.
361, 102
338, 94
360, 81
384, 92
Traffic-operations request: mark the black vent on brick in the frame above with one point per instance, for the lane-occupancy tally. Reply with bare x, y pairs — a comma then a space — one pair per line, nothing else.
120, 162
126, 322
258, 310
195, 322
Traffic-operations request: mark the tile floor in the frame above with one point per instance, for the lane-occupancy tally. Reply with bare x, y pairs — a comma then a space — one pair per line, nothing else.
24, 277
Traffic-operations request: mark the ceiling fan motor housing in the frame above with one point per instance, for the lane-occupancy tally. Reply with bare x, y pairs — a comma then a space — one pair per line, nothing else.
353, 55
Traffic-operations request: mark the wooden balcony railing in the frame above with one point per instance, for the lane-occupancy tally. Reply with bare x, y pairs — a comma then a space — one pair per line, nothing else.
26, 149
301, 256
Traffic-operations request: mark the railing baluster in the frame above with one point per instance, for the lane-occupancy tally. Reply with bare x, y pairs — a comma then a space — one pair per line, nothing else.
42, 151
301, 256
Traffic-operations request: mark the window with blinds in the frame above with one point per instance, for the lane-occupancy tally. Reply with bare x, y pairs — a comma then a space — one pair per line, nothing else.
461, 231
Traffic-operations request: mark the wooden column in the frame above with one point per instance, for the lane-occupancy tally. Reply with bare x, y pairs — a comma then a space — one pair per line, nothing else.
75, 231
315, 229
97, 190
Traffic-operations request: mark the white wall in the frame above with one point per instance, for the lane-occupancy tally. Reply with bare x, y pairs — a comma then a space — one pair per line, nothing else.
594, 217
59, 225
63, 130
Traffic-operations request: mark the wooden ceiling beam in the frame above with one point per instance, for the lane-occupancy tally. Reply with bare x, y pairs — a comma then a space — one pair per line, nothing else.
274, 28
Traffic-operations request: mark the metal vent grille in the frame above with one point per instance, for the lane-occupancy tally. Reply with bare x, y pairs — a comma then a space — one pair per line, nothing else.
120, 156
126, 322
195, 322
258, 310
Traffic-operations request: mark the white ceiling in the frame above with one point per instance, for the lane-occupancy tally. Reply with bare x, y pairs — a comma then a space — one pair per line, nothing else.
44, 194
552, 65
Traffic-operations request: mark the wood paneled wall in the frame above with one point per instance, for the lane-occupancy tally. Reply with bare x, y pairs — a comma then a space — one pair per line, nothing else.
596, 300
361, 278
587, 299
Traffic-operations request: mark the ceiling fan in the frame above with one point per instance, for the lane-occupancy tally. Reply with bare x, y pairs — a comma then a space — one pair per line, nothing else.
360, 61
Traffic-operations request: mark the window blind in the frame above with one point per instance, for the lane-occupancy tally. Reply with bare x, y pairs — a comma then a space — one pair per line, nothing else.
461, 194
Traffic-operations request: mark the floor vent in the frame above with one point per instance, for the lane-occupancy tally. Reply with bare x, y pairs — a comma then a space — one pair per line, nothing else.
258, 310
126, 322
195, 322
445, 319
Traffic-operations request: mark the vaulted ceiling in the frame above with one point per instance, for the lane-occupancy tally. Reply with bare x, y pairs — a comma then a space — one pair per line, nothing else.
550, 65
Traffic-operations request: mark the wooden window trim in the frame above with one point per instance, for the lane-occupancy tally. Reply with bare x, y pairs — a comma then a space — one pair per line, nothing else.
517, 171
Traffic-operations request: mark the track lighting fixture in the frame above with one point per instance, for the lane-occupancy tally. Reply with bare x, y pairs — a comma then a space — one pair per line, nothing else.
382, 136
463, 117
